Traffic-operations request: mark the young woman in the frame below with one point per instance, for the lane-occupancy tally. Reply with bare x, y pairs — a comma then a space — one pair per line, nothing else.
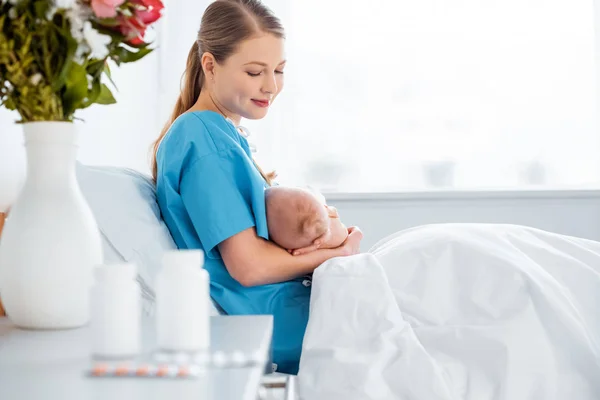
212, 194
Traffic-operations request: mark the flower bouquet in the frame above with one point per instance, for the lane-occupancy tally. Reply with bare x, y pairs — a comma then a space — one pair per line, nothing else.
53, 54
54, 61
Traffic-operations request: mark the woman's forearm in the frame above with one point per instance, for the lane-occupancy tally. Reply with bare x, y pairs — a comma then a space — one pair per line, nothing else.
253, 261
277, 265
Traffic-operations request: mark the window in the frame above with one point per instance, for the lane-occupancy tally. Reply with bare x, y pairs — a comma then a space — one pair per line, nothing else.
401, 95
394, 95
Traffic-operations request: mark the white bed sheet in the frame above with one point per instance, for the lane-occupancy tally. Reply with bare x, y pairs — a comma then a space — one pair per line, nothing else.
457, 311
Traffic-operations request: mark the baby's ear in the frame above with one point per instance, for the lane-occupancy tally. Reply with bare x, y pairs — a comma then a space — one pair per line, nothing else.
317, 226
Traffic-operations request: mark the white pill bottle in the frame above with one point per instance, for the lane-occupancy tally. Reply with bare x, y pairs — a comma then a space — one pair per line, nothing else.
115, 300
182, 302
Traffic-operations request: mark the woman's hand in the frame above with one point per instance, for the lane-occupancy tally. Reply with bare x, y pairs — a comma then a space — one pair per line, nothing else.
352, 244
350, 247
314, 246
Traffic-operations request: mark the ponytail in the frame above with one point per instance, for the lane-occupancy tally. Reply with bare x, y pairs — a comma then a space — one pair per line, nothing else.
194, 76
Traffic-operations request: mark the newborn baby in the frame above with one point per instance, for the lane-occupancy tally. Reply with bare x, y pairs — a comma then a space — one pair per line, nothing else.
297, 217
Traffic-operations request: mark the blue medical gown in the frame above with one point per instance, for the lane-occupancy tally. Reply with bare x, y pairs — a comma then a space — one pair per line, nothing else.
209, 190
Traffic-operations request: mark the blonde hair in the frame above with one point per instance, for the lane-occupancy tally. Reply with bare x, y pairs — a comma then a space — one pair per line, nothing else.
225, 24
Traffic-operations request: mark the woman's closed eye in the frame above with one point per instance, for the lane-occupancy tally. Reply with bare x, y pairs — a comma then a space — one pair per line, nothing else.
255, 74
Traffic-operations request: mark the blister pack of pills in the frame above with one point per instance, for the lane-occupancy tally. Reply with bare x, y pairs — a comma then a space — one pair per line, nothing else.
179, 365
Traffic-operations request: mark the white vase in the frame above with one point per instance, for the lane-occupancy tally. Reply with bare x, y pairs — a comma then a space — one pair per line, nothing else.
50, 242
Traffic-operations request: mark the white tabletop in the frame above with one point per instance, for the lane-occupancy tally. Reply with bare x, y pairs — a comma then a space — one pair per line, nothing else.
52, 365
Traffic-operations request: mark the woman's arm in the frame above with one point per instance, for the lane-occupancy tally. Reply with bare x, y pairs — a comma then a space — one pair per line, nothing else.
253, 261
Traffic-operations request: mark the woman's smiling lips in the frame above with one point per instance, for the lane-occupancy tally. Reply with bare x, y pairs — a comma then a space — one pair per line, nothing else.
261, 103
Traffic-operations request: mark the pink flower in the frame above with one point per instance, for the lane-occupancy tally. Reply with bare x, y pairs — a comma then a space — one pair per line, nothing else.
152, 10
133, 29
106, 8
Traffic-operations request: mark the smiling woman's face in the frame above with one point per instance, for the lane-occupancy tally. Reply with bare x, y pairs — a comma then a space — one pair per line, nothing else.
248, 82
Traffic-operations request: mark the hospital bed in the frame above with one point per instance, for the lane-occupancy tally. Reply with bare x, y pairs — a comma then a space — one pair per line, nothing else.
448, 311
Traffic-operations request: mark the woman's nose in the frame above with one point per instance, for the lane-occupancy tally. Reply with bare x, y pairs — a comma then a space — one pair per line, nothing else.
270, 85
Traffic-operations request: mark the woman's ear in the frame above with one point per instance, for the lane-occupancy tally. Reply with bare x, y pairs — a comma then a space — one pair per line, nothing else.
208, 64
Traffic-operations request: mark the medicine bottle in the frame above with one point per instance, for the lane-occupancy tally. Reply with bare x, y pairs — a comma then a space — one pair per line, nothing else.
115, 301
182, 302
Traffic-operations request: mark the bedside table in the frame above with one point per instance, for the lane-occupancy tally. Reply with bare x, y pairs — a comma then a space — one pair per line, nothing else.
53, 365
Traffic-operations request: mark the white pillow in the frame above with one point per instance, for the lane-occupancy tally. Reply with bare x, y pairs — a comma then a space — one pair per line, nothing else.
124, 204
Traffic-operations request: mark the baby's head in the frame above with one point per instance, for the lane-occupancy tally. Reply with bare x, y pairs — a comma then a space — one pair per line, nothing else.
295, 217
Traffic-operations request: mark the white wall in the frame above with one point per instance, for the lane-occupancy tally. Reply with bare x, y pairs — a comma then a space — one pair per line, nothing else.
575, 213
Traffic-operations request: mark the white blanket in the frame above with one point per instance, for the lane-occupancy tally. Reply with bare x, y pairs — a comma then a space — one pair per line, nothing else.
457, 311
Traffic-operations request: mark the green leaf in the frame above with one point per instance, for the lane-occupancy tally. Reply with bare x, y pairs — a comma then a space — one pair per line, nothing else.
122, 55
106, 96
95, 68
93, 94
60, 81
142, 45
115, 34
109, 75
106, 22
41, 8
76, 88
